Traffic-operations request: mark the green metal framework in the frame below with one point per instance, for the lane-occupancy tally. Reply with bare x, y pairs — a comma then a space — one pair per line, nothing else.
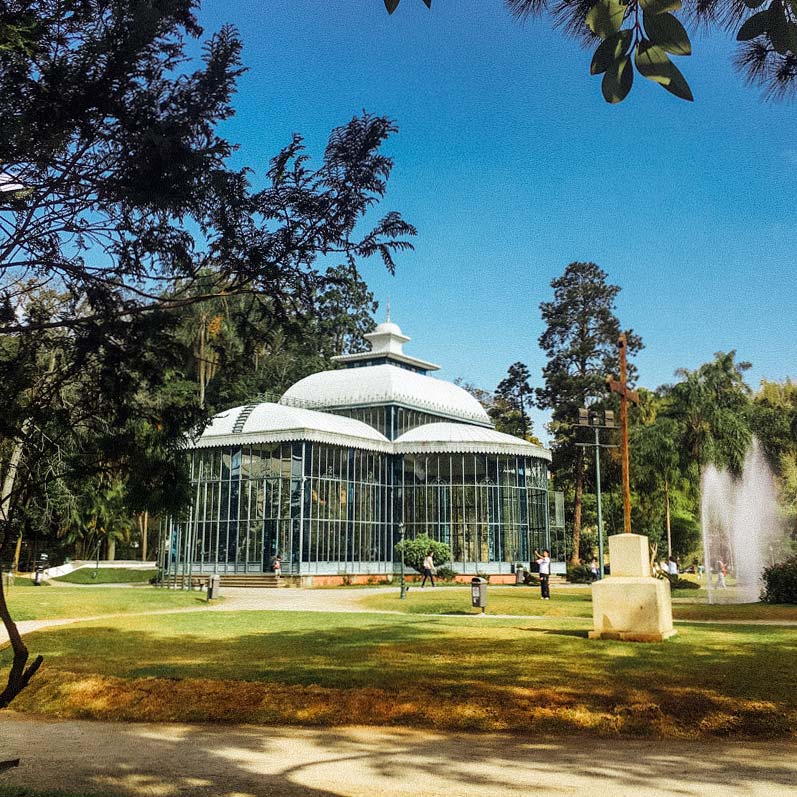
330, 509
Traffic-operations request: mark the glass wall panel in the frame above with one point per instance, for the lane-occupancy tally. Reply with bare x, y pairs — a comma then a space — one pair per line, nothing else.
335, 509
485, 507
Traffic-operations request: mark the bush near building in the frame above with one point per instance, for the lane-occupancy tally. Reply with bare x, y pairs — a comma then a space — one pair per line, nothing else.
780, 582
579, 574
445, 573
415, 551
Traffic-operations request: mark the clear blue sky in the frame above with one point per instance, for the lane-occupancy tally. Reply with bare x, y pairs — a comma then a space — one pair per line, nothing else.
511, 166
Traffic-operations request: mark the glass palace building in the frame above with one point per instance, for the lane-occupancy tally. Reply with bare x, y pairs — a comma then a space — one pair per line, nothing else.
350, 459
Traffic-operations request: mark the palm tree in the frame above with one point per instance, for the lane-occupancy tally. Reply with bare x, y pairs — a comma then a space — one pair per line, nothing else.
712, 404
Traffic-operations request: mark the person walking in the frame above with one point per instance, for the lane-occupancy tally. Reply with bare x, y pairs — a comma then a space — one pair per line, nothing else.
721, 572
544, 562
593, 569
428, 569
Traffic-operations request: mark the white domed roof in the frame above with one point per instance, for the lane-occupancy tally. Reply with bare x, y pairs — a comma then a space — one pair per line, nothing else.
386, 384
389, 328
464, 438
269, 423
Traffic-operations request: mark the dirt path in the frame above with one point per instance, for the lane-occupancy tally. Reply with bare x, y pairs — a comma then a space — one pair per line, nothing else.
238, 761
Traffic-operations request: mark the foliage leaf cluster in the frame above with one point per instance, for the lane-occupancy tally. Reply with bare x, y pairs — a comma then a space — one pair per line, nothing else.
579, 574
415, 550
645, 33
780, 582
118, 209
445, 573
653, 34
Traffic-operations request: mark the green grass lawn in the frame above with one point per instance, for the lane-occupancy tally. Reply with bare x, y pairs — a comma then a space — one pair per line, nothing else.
20, 581
55, 602
108, 575
571, 601
519, 675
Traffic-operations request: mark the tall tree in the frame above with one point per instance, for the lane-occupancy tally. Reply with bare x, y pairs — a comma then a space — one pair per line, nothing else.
711, 405
580, 340
774, 422
117, 194
655, 464
242, 349
511, 397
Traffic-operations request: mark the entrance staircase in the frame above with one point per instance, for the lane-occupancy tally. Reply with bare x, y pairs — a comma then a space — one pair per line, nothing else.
252, 580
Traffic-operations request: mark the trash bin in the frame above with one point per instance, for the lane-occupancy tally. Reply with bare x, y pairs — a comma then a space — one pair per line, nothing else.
478, 593
214, 586
520, 574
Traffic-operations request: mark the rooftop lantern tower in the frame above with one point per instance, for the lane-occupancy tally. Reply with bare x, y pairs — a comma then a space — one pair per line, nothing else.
387, 348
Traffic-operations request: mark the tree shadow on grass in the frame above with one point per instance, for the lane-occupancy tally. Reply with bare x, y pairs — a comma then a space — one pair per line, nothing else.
559, 632
418, 672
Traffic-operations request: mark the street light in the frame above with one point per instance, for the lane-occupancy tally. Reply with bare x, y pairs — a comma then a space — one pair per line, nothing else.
401, 543
597, 420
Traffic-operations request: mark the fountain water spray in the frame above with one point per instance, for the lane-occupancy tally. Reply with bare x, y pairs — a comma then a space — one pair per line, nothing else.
740, 524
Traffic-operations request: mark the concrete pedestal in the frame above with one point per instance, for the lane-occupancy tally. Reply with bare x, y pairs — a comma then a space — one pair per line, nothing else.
630, 604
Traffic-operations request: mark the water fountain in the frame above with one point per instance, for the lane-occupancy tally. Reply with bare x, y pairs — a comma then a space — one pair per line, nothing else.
740, 524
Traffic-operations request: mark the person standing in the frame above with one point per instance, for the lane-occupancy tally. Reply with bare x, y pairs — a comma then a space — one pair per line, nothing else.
544, 562
276, 565
721, 571
593, 569
428, 569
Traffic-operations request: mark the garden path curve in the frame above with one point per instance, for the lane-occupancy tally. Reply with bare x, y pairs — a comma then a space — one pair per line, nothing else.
83, 757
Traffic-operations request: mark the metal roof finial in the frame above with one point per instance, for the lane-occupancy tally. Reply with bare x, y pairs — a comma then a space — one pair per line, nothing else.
388, 310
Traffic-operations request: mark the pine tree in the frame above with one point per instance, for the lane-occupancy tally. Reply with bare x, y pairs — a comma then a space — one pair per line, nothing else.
511, 397
580, 340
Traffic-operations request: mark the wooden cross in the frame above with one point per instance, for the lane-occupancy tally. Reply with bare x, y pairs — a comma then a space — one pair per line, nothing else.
626, 395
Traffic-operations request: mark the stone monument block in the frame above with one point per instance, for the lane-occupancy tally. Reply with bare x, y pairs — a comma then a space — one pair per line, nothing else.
628, 555
630, 604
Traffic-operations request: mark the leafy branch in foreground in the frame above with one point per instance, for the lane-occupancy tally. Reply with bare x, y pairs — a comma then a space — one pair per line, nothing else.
118, 207
644, 33
646, 30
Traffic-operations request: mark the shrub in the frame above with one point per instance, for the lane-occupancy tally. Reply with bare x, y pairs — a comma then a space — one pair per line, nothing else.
780, 582
682, 583
580, 574
446, 573
415, 551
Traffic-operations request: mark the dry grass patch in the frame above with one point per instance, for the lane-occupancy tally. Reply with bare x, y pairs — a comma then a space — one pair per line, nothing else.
447, 673
681, 714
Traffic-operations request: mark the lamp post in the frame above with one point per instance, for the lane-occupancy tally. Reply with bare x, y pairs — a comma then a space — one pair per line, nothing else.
598, 421
403, 593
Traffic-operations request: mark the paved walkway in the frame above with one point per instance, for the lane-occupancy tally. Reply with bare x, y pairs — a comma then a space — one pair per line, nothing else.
242, 761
